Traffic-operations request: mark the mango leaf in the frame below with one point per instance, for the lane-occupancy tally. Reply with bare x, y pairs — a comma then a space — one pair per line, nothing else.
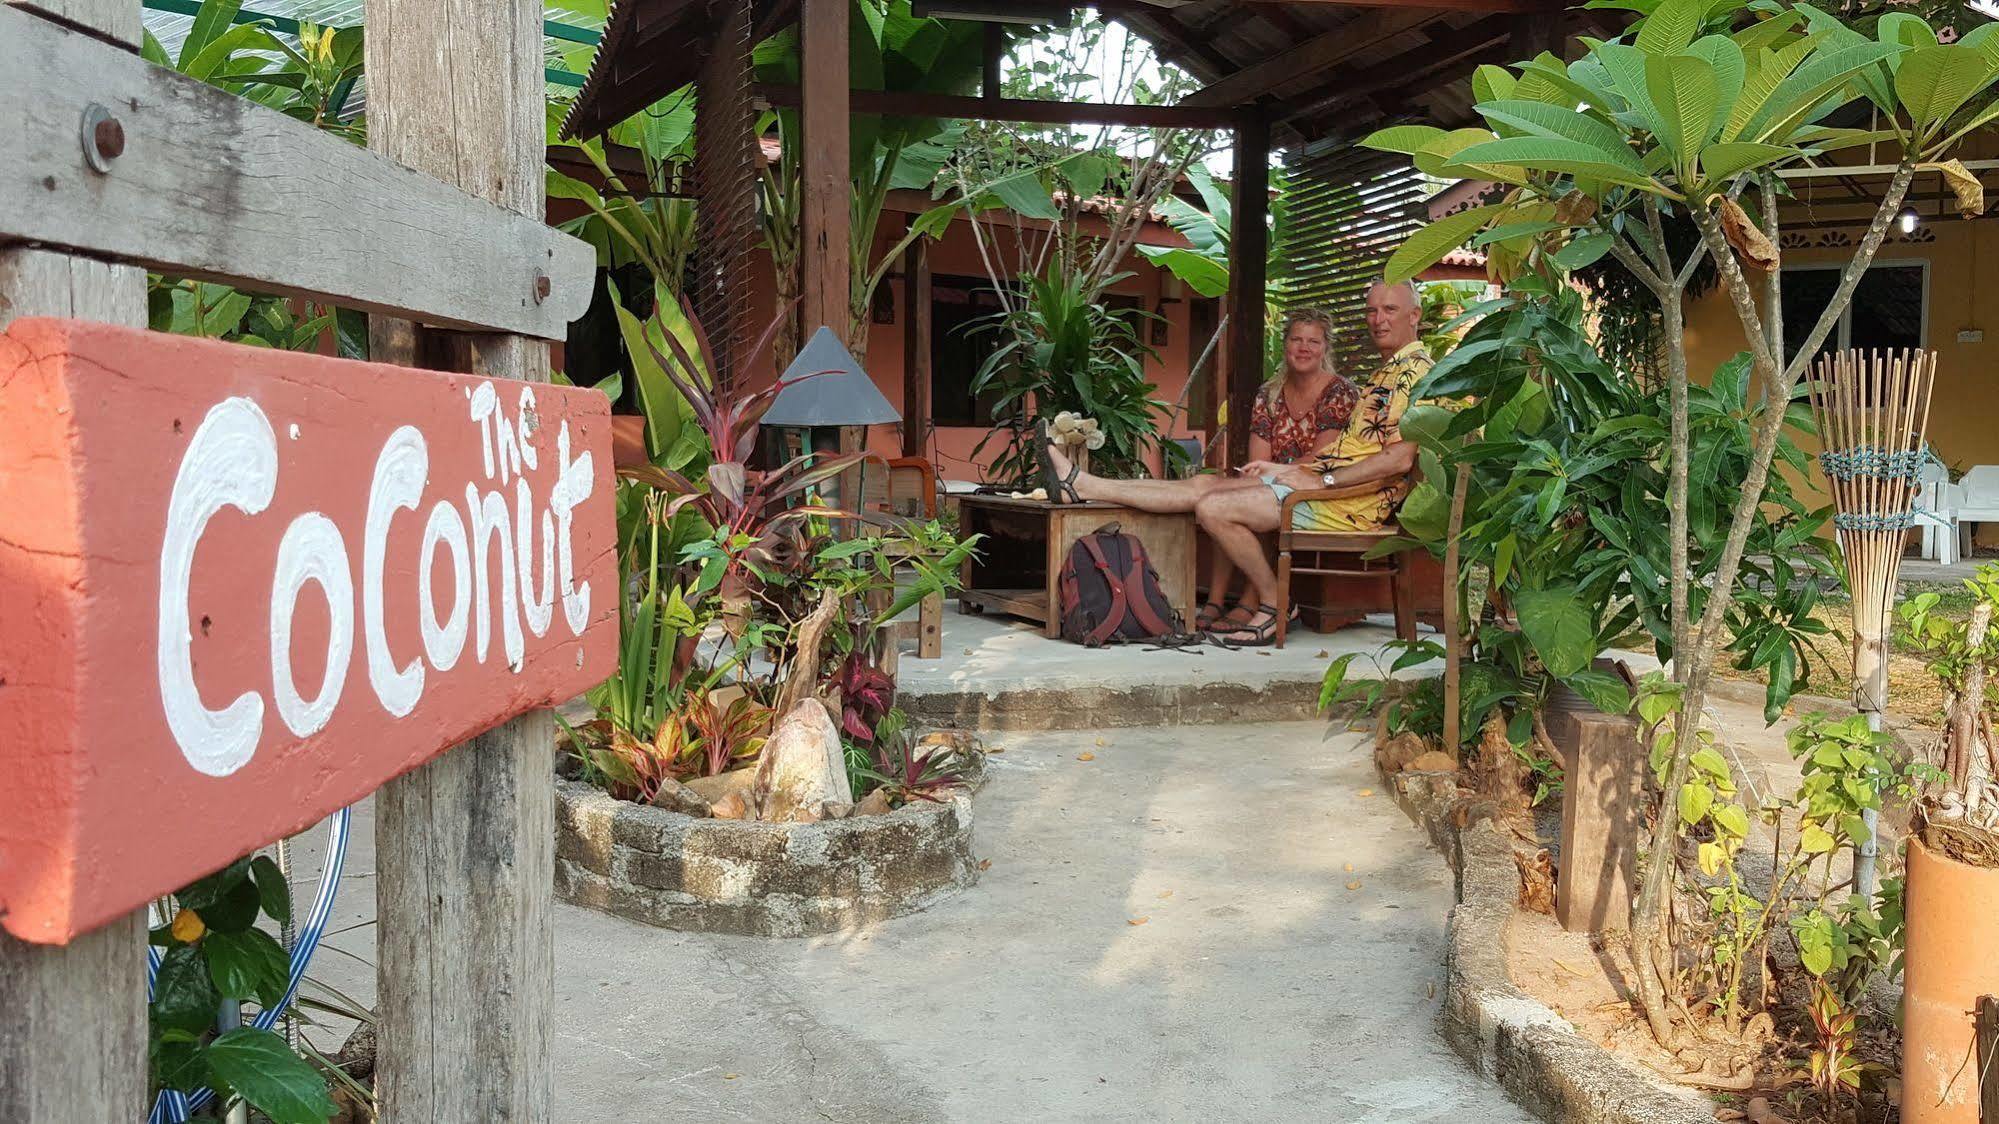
1802, 91
1722, 53
1558, 624
260, 1068
1439, 158
1428, 246
1490, 82
1583, 251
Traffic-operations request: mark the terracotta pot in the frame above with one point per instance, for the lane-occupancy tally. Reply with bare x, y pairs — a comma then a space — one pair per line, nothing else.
1952, 960
628, 440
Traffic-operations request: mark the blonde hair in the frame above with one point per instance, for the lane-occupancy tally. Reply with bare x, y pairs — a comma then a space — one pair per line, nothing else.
1324, 321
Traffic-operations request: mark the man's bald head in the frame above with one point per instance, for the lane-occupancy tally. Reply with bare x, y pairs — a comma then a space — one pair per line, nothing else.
1394, 315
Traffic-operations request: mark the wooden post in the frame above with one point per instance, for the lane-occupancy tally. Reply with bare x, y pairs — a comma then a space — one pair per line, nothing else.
916, 342
1249, 255
73, 1046
825, 218
995, 62
465, 844
1987, 1059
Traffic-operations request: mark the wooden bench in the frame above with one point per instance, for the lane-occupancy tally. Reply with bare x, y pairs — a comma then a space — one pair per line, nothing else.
1350, 546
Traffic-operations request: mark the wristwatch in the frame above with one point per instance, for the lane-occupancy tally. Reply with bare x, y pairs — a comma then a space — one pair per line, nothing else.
1326, 478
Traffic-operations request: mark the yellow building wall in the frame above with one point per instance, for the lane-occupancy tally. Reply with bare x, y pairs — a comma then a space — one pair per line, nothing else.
1963, 296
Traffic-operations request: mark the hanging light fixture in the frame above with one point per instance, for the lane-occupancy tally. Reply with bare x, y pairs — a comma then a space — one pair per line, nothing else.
1909, 220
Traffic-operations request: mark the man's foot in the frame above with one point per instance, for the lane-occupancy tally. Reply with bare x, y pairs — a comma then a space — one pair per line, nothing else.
1259, 631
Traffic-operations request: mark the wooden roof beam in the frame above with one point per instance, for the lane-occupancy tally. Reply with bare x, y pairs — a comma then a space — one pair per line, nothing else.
893, 104
1446, 58
1310, 58
1440, 5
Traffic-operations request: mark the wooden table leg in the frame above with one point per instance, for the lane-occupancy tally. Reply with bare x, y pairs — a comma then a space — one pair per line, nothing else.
1057, 545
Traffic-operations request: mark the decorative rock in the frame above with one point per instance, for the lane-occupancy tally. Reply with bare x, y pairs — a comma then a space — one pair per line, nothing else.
734, 806
832, 810
712, 789
873, 804
803, 764
676, 797
1435, 761
1395, 754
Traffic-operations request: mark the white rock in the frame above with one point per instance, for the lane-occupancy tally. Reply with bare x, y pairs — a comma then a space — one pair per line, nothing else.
803, 765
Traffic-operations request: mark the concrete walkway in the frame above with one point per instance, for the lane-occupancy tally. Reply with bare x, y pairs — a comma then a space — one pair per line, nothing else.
1166, 932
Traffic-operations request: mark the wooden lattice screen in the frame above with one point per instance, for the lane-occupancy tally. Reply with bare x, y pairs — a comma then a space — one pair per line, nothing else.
725, 168
1350, 208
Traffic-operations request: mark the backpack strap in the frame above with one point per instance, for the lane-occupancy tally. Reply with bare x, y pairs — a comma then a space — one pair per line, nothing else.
1108, 627
1141, 605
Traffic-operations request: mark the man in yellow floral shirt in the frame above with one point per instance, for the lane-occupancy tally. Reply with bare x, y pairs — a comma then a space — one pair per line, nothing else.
1369, 462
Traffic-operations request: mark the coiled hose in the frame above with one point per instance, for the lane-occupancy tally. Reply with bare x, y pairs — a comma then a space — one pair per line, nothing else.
174, 1106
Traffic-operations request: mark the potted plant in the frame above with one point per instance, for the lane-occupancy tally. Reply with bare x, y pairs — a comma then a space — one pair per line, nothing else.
1953, 867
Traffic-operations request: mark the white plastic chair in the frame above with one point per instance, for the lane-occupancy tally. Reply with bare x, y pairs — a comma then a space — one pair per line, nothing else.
1937, 501
1980, 502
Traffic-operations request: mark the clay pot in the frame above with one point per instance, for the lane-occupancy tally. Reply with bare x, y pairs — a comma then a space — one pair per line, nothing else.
1952, 960
628, 440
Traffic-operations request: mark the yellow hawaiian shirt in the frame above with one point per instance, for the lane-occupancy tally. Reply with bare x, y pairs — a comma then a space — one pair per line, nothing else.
1375, 425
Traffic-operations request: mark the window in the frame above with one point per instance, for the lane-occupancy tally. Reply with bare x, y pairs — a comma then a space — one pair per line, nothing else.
961, 337
1888, 310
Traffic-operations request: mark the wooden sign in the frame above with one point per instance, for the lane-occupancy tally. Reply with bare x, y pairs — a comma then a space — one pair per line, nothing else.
241, 588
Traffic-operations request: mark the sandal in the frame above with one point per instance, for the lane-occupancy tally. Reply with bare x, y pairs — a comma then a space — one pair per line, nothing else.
1061, 489
1252, 635
1210, 615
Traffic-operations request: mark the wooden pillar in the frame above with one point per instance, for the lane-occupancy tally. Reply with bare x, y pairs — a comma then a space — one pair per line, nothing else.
916, 374
825, 216
1249, 256
73, 1040
995, 60
465, 844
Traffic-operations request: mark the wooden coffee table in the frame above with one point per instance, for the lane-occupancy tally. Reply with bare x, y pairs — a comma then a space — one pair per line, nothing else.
1026, 541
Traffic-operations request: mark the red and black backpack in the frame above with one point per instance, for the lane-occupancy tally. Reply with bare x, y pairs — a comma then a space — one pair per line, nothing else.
1110, 593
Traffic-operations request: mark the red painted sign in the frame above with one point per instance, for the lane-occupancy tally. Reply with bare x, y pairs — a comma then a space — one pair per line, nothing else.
242, 588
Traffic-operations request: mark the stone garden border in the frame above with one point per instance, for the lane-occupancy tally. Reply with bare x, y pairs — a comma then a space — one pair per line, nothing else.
1505, 1034
758, 879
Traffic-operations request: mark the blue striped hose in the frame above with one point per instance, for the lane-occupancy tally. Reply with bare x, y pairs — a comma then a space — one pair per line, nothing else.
175, 1107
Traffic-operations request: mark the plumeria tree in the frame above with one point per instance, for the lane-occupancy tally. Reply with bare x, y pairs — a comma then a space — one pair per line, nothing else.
1692, 112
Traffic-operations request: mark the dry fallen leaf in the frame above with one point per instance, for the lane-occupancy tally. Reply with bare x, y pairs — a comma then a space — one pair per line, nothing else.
1139, 920
1751, 244
995, 749
1164, 894
1349, 868
985, 864
1323, 655
1101, 741
1366, 792
730, 1076
1086, 757
1965, 185
1430, 992
1353, 885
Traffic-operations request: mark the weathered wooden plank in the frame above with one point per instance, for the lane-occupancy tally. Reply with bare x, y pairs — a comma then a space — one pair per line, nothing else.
211, 185
1310, 58
917, 330
906, 104
73, 1043
169, 502
465, 846
825, 215
1250, 258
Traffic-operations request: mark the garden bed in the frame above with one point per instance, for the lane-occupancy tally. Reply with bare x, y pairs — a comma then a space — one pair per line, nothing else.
752, 878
